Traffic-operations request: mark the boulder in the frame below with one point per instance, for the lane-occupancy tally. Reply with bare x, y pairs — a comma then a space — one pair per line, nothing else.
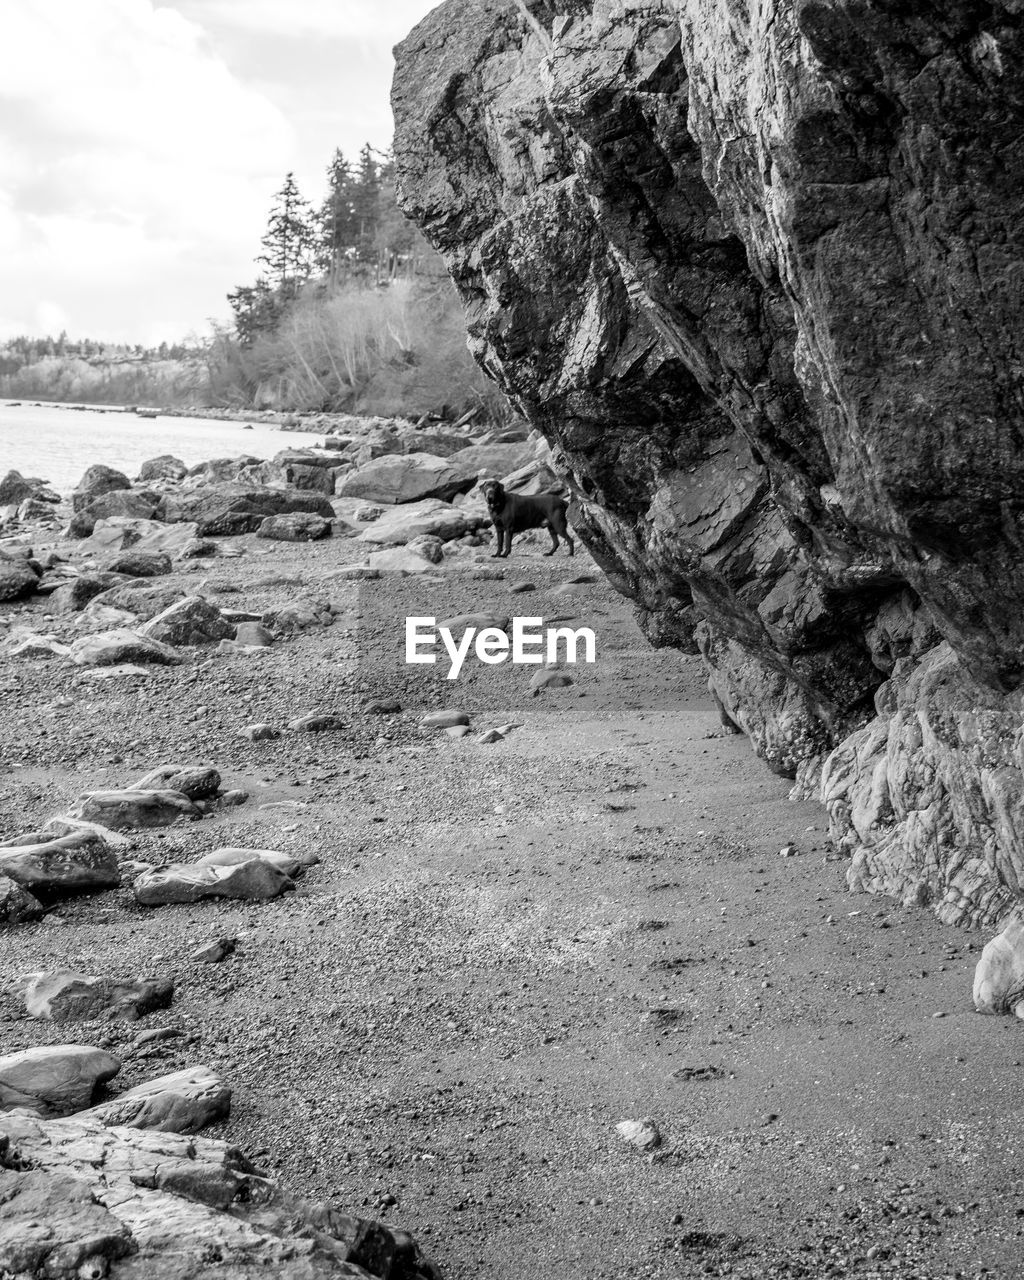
220, 509
54, 1080
292, 864
254, 879
197, 782
97, 481
295, 526
65, 996
138, 596
133, 504
140, 564
119, 646
15, 489
163, 467
399, 560
182, 1102
81, 862
431, 517
301, 615
84, 1200
17, 578
191, 621
17, 905
77, 592
999, 976
131, 810
23, 643
409, 477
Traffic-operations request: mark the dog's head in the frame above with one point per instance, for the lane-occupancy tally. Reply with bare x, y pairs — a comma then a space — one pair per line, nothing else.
494, 494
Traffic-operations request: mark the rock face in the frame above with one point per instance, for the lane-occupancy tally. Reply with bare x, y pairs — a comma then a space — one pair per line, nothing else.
757, 279
81, 1200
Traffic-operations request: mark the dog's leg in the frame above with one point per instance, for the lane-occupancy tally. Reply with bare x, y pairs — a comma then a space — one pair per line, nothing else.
508, 542
569, 543
554, 541
499, 534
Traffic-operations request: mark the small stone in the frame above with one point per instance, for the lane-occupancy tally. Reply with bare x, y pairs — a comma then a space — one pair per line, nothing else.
550, 679
316, 723
214, 952
444, 719
382, 706
642, 1134
261, 732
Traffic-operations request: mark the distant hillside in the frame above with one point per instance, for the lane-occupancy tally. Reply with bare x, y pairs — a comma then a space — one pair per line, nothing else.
102, 373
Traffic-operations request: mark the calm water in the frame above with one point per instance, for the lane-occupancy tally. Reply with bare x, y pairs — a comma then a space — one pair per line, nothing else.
58, 444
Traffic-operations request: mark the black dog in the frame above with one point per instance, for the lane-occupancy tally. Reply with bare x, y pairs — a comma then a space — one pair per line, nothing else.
514, 512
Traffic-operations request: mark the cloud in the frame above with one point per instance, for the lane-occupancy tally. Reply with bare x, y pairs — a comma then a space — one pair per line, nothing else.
369, 20
130, 154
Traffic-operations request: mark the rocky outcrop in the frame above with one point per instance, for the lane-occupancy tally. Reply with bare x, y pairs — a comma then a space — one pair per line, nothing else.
80, 1199
756, 273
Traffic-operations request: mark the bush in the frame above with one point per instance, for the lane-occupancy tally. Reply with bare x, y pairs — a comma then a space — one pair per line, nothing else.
395, 350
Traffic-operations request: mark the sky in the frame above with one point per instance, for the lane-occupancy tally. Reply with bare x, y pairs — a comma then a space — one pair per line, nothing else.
142, 141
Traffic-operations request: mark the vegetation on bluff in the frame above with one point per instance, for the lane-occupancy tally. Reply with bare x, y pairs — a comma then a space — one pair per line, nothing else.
350, 311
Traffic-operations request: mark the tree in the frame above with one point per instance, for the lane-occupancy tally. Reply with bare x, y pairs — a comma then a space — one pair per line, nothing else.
289, 239
336, 221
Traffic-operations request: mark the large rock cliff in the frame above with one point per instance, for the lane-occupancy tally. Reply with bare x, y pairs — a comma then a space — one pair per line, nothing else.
757, 272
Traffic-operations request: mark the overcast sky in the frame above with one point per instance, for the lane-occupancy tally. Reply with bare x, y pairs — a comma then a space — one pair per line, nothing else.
141, 142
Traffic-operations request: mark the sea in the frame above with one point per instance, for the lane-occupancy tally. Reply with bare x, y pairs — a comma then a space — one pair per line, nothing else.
57, 443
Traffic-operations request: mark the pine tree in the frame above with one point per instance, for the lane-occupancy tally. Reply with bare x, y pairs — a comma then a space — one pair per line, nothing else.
289, 239
336, 225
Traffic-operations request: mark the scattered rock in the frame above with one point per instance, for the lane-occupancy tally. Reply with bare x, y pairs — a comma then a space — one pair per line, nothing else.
253, 635
261, 732
316, 722
120, 646
141, 564
192, 621
296, 526
17, 578
163, 467
444, 719
81, 862
399, 560
478, 621
64, 996
255, 878
300, 615
382, 706
133, 504
232, 508
54, 1080
214, 952
458, 730
131, 810
413, 520
97, 480
197, 782
642, 1134
550, 679
17, 905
